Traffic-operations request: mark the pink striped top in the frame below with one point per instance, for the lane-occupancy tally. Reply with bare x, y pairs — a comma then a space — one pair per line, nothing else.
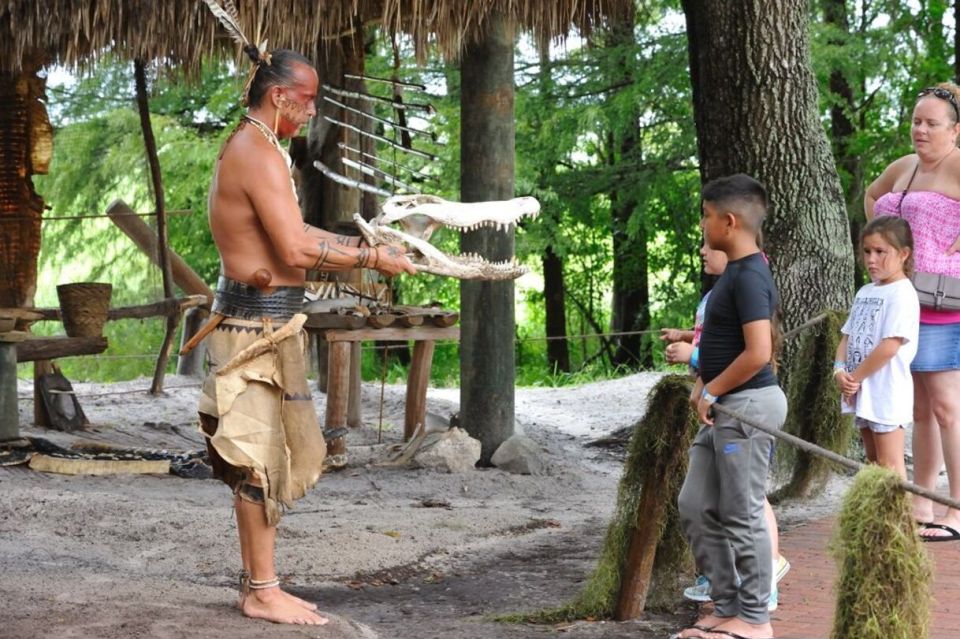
935, 221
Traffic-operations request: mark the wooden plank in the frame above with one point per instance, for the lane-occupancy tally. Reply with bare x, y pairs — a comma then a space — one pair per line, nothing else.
144, 237
322, 321
29, 314
163, 308
435, 333
14, 336
76, 466
56, 347
415, 410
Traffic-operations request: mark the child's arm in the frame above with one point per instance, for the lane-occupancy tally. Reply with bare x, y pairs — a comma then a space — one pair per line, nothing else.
848, 387
757, 352
877, 359
676, 335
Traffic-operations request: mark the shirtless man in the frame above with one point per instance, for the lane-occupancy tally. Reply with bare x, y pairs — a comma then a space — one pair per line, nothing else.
257, 226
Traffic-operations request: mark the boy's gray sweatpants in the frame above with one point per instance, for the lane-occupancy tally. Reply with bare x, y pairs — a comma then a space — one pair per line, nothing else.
721, 503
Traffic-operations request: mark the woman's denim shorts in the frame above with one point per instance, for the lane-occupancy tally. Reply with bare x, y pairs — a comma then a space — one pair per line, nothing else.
938, 348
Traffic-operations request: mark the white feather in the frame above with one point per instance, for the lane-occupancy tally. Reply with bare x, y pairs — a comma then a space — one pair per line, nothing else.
229, 18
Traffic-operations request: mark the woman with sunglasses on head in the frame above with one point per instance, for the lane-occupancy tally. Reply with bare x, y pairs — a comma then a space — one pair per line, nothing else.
924, 188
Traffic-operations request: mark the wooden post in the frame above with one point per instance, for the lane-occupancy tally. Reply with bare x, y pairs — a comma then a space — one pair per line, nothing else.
487, 157
323, 364
338, 390
140, 80
191, 364
139, 232
635, 583
415, 411
9, 415
354, 418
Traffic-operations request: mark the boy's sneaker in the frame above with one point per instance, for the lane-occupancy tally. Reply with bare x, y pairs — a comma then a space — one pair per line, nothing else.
781, 568
774, 597
699, 591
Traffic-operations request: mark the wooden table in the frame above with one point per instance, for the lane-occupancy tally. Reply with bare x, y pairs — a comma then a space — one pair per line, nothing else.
343, 357
18, 346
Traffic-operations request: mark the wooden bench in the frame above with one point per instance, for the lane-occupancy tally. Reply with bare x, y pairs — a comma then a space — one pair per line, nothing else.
17, 347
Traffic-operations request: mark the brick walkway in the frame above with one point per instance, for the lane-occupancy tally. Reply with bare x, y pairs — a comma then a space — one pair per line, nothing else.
806, 593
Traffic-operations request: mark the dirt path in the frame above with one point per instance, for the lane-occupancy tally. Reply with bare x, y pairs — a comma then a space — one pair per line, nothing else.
156, 556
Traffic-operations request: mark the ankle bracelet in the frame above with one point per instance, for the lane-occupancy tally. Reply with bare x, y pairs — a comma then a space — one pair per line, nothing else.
255, 584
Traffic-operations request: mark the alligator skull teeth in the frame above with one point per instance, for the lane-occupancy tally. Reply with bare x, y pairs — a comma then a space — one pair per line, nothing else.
420, 215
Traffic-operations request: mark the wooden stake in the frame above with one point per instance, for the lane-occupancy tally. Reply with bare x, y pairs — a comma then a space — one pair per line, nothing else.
143, 106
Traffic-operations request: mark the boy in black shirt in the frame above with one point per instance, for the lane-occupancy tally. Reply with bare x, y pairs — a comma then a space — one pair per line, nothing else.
721, 502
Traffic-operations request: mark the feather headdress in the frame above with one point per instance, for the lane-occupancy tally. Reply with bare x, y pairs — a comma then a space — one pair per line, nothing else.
229, 17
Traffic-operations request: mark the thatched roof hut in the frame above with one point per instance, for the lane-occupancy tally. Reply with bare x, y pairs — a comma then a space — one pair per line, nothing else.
71, 32
181, 33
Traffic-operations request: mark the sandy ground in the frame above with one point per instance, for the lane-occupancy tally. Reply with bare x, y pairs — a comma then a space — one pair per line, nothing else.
157, 556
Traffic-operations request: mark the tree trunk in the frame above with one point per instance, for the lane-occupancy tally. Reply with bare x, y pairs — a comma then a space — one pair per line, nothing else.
26, 143
487, 368
631, 299
554, 290
555, 306
755, 106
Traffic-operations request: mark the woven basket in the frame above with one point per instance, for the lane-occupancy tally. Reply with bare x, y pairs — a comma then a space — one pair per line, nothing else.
84, 307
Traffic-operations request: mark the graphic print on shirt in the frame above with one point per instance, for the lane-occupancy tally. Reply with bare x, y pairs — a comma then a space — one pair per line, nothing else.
866, 313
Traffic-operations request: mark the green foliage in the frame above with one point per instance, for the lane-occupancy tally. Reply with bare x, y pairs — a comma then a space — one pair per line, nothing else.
814, 410
657, 453
883, 591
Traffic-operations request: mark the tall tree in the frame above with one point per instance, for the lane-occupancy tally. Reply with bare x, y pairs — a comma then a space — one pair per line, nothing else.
487, 319
631, 299
755, 105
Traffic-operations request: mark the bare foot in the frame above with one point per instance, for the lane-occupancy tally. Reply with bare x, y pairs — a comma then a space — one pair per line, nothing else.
277, 606
736, 627
300, 602
295, 599
703, 625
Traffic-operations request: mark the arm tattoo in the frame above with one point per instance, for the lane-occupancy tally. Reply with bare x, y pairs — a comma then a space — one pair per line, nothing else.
344, 240
325, 250
363, 256
324, 253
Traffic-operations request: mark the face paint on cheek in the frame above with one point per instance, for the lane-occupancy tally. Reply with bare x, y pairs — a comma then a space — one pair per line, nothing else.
294, 113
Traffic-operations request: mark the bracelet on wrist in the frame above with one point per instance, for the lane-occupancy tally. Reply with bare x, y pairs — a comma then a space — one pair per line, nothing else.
707, 395
839, 365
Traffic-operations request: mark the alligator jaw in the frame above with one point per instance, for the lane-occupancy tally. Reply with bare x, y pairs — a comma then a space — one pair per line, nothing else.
429, 259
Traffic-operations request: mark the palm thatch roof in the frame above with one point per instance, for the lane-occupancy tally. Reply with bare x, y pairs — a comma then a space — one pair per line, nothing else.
182, 32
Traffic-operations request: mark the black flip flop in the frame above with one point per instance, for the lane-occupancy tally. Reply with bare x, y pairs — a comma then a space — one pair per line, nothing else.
953, 536
727, 633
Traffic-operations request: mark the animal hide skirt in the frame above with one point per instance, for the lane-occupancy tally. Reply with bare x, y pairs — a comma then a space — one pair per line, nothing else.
258, 418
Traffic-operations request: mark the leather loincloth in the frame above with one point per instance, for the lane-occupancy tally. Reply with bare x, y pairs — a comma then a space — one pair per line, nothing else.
259, 419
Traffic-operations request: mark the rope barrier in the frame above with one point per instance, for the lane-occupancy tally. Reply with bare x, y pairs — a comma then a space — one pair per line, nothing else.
831, 456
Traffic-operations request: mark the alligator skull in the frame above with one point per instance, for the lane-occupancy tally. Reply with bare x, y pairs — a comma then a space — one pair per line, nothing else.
420, 215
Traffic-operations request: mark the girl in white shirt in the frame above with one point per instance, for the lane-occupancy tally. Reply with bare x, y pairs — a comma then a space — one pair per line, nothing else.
872, 366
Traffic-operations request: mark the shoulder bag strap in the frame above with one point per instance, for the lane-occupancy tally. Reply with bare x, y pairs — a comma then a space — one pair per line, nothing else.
904, 194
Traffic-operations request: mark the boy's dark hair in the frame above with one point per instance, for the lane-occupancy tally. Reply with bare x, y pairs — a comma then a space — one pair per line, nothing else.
896, 232
277, 72
745, 196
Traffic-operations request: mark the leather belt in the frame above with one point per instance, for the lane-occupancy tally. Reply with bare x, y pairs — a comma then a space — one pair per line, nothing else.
244, 301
